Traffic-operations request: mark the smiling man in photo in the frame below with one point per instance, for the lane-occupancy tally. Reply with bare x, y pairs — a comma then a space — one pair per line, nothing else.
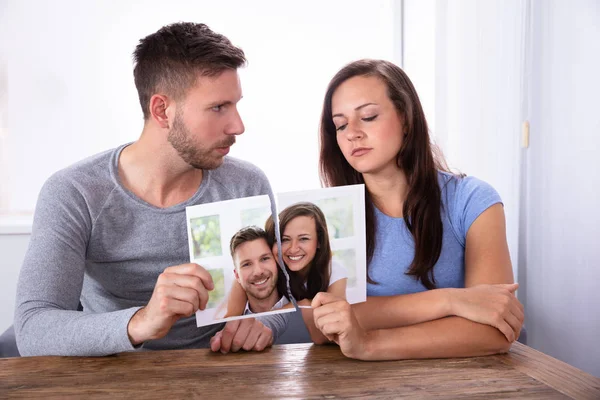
256, 270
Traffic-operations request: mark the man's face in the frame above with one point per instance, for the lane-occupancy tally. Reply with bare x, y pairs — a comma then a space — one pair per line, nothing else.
255, 268
207, 120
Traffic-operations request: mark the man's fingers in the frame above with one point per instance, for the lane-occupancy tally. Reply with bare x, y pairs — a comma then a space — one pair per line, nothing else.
253, 335
215, 341
176, 307
229, 332
265, 339
241, 334
188, 282
167, 293
193, 269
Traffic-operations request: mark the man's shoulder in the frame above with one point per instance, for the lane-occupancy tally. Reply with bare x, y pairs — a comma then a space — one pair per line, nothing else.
88, 178
90, 167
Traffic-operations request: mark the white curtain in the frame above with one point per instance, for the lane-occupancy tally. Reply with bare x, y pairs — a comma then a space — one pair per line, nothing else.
467, 61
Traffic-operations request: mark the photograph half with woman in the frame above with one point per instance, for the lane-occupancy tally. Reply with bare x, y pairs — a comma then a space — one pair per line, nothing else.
440, 280
307, 257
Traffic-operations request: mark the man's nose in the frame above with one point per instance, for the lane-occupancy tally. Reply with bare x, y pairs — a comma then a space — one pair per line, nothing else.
235, 125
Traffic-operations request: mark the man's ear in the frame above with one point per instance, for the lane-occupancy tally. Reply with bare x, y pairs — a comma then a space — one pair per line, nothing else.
159, 110
237, 277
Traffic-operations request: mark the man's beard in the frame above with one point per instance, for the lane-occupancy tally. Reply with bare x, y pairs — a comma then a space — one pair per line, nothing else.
197, 157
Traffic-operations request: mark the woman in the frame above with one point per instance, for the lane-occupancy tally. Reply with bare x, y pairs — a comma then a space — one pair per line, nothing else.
307, 257
439, 271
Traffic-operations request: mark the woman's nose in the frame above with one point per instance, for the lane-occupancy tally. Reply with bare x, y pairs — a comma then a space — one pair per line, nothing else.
353, 132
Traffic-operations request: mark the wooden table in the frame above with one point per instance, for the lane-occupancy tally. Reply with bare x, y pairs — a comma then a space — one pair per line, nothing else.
292, 371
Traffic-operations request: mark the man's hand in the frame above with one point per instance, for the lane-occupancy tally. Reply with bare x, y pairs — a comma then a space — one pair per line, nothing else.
248, 334
335, 318
180, 291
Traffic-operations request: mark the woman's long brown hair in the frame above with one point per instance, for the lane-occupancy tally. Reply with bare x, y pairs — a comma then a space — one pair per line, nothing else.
422, 206
319, 273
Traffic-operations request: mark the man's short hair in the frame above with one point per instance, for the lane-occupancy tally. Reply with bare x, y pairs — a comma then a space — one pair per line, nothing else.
247, 234
171, 60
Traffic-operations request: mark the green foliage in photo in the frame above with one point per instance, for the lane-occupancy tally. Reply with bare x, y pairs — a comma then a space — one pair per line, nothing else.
206, 236
255, 216
216, 295
339, 214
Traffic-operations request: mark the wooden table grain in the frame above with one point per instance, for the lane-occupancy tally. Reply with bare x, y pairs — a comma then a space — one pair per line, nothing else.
293, 371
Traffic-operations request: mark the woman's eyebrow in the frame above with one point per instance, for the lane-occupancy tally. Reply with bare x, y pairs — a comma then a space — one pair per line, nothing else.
356, 109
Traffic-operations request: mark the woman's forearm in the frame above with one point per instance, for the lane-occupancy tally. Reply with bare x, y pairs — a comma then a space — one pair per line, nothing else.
382, 312
236, 301
442, 338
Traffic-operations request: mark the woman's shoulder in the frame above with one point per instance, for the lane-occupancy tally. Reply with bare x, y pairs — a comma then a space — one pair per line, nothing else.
458, 189
464, 198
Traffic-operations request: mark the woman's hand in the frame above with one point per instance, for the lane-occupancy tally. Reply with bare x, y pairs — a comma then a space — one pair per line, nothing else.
336, 320
494, 305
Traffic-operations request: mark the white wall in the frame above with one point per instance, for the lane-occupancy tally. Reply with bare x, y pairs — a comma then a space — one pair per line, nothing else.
12, 251
560, 264
70, 90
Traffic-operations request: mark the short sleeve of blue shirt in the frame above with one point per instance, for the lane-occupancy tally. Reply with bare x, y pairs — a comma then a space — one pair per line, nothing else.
466, 198
463, 200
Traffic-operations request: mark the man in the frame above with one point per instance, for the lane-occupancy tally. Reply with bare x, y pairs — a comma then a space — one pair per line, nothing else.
256, 270
110, 231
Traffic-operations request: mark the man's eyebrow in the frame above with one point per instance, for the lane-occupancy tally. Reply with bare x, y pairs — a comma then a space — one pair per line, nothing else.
223, 102
356, 109
220, 103
242, 262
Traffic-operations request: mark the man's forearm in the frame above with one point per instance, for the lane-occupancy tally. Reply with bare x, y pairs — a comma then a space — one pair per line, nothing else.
49, 331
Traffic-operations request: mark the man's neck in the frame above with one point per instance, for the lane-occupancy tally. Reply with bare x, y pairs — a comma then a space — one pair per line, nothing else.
258, 306
151, 169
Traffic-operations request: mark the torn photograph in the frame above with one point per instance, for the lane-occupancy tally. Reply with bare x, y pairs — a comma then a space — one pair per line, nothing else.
321, 240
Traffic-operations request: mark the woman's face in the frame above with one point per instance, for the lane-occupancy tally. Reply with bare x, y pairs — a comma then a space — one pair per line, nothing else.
369, 130
299, 243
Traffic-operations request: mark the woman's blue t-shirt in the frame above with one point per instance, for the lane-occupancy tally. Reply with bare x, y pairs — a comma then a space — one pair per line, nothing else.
463, 200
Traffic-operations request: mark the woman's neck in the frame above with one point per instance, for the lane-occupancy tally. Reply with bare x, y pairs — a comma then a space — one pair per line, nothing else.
388, 191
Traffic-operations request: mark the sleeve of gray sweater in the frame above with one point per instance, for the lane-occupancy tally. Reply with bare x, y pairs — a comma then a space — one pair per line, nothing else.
93, 242
46, 318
